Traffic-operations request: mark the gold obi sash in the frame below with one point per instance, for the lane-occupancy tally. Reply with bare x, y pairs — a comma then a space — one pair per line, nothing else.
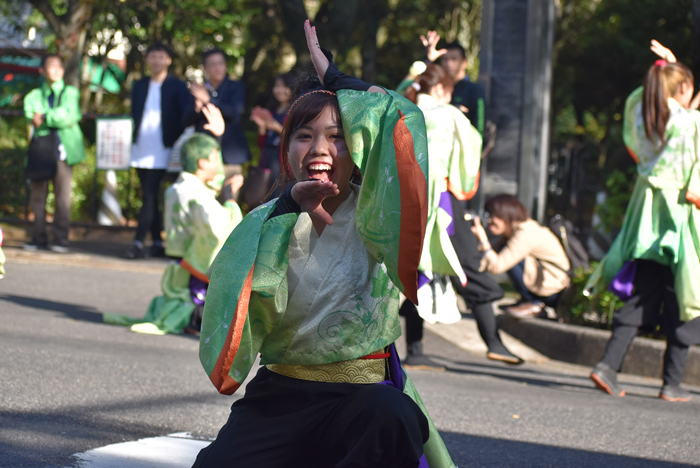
369, 370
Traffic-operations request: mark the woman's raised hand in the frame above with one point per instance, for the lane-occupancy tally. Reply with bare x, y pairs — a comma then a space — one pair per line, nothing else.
310, 194
430, 44
215, 121
662, 51
317, 57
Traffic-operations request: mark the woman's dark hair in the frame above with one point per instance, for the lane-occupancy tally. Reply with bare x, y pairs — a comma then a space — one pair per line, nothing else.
304, 111
661, 82
290, 80
508, 208
426, 81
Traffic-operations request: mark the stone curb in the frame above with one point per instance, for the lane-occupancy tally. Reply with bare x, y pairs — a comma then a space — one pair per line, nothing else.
585, 346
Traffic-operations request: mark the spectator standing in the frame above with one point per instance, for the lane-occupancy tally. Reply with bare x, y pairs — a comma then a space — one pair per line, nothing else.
467, 96
158, 106
229, 96
55, 108
270, 122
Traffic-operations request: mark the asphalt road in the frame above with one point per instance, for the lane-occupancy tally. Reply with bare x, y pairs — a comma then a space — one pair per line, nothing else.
69, 383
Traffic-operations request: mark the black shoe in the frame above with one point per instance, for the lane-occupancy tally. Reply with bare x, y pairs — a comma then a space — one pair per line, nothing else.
605, 378
674, 393
136, 251
157, 250
33, 246
416, 360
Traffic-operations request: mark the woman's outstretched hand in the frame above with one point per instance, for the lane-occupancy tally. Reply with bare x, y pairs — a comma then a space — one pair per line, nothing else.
662, 51
430, 44
320, 60
310, 194
317, 57
215, 121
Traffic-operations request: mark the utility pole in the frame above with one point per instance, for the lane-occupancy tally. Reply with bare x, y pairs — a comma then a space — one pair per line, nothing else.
517, 38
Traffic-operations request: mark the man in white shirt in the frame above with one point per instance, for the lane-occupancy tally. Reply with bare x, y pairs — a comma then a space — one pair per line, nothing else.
158, 106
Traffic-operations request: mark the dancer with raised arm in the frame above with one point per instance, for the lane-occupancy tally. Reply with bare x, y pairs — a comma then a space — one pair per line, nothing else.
311, 281
654, 260
450, 247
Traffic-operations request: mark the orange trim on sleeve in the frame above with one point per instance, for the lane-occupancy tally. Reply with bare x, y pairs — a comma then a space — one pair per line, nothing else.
193, 271
693, 198
634, 156
414, 208
463, 196
220, 377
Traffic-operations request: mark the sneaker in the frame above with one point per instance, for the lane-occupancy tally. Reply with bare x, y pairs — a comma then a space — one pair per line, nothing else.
605, 378
59, 248
674, 393
506, 357
136, 251
526, 310
32, 246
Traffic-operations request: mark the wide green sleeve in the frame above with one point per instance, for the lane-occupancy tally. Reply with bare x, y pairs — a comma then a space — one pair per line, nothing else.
67, 113
463, 179
247, 296
386, 136
630, 132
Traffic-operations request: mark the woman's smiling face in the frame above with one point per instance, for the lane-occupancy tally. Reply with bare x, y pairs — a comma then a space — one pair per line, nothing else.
317, 150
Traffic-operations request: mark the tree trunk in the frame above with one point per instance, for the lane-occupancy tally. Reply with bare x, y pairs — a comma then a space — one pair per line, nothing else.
376, 10
70, 32
293, 14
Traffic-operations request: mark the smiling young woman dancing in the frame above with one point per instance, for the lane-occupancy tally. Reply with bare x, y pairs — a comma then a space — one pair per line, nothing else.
311, 281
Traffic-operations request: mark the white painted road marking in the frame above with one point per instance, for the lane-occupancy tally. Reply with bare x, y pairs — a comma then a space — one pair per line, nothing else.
172, 451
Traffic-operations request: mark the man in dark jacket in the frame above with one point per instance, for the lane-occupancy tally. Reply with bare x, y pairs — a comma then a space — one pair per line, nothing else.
229, 97
158, 106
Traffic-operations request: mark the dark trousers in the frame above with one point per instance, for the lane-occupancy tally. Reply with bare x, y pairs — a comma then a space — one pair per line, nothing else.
286, 422
653, 287
516, 277
61, 219
479, 292
150, 218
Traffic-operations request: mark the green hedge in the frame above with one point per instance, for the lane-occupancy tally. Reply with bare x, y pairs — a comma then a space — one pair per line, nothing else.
595, 310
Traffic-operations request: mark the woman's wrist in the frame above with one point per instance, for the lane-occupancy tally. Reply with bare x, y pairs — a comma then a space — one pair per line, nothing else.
484, 246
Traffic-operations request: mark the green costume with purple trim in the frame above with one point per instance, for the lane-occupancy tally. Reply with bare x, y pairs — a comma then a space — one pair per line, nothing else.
661, 223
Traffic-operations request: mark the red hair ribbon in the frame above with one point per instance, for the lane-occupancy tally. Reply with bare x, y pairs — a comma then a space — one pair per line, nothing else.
661, 63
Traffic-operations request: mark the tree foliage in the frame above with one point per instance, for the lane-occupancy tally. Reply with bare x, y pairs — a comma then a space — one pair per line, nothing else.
375, 39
